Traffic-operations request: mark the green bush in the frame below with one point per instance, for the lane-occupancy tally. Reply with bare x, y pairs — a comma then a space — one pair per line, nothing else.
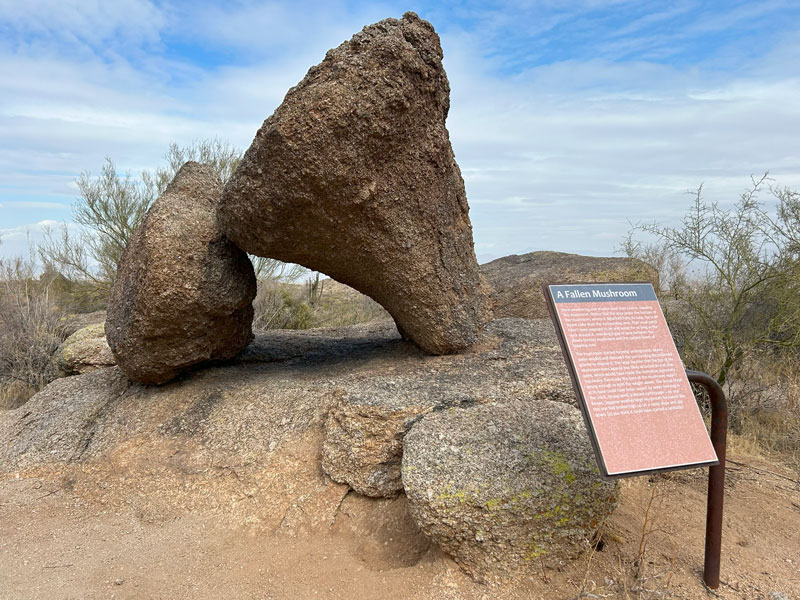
731, 277
315, 303
111, 207
730, 282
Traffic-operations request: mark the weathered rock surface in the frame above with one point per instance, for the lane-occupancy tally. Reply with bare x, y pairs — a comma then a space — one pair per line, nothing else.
354, 176
283, 381
245, 439
183, 293
516, 280
365, 428
286, 382
499, 485
85, 350
364, 433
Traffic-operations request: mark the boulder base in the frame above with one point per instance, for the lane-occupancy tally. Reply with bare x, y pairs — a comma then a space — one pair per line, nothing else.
505, 487
364, 430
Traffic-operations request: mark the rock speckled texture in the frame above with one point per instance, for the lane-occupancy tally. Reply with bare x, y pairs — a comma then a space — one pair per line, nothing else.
364, 430
354, 176
516, 280
285, 382
85, 350
183, 293
501, 487
246, 437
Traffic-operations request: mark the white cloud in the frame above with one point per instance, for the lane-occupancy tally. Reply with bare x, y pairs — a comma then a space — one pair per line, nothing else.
84, 26
562, 156
557, 156
23, 239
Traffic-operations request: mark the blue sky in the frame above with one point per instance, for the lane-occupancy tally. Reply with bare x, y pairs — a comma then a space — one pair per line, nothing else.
567, 118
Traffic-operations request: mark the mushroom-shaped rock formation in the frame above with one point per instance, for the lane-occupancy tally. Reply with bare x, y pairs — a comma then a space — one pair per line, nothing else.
354, 176
183, 293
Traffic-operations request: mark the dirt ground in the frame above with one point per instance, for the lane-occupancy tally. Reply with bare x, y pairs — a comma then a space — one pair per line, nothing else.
58, 540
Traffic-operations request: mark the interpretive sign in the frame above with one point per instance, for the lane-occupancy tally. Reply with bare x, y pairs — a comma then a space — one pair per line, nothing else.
630, 382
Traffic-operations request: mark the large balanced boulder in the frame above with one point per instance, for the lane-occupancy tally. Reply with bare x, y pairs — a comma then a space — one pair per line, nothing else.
499, 485
183, 293
85, 350
354, 176
516, 280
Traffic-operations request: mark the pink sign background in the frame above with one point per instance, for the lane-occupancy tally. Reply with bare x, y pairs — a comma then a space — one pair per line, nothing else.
639, 403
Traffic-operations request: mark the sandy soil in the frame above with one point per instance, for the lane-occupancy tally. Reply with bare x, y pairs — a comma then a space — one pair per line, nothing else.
62, 539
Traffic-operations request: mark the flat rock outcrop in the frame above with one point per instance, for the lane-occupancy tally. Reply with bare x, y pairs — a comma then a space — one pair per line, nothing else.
183, 293
499, 485
244, 439
83, 351
516, 280
234, 414
364, 431
354, 176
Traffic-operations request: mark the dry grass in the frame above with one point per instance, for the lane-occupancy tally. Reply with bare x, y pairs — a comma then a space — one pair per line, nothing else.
643, 574
33, 304
764, 407
326, 303
762, 392
30, 331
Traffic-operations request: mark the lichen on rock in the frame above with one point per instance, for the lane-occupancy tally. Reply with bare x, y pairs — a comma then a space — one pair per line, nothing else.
501, 484
83, 351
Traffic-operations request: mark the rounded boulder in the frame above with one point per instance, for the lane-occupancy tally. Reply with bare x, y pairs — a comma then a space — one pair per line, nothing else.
183, 293
505, 487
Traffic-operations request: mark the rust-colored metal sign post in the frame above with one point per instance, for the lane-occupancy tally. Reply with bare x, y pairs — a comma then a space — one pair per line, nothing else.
716, 476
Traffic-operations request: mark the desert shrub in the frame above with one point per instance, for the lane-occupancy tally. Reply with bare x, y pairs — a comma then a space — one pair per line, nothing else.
730, 298
341, 306
732, 276
764, 403
317, 302
111, 207
278, 305
30, 330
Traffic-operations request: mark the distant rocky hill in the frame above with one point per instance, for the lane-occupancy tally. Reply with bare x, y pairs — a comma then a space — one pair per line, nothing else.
516, 280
